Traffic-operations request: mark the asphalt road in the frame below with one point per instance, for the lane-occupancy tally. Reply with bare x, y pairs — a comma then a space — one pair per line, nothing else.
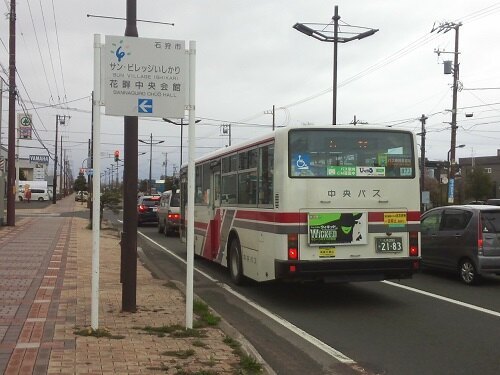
431, 324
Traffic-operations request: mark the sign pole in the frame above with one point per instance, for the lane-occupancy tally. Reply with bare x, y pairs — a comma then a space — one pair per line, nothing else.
191, 192
96, 183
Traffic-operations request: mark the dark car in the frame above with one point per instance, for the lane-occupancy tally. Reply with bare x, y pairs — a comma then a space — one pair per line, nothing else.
463, 239
147, 206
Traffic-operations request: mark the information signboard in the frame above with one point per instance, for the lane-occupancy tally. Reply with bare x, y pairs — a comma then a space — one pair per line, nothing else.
144, 77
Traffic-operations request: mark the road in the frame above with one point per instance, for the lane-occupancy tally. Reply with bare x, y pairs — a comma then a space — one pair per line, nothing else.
431, 324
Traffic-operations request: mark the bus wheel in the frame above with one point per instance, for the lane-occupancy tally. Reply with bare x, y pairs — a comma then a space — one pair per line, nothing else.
165, 229
235, 262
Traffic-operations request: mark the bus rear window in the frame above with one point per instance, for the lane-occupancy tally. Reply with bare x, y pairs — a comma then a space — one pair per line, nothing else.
351, 153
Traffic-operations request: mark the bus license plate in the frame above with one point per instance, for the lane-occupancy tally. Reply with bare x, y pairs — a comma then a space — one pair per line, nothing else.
326, 252
389, 244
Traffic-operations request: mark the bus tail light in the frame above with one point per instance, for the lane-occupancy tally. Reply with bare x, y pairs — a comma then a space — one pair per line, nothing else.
414, 244
293, 246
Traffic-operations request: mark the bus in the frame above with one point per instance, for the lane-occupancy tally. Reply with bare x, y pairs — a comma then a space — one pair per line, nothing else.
312, 203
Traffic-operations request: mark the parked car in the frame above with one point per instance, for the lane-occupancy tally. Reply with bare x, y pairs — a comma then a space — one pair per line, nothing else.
36, 195
147, 205
463, 239
169, 217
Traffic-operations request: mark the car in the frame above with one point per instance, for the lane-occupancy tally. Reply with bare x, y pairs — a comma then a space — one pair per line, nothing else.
169, 217
493, 202
464, 239
82, 196
476, 202
37, 194
147, 205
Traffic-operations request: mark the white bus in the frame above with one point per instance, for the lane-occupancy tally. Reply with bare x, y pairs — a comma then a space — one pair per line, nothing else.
331, 203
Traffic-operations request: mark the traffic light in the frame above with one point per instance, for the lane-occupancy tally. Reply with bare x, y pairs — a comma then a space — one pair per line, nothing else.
117, 155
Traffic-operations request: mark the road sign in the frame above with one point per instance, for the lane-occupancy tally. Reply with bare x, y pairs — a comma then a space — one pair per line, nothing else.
145, 105
24, 125
144, 77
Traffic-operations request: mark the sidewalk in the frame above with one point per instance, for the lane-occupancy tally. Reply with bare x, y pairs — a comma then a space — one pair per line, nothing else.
45, 291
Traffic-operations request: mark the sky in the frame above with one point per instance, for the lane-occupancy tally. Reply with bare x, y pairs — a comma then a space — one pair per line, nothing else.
250, 58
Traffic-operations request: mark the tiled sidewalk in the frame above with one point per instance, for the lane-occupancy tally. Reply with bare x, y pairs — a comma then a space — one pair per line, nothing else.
33, 255
45, 290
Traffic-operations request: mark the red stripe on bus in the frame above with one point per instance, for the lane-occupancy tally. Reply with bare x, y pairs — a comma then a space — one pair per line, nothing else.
273, 217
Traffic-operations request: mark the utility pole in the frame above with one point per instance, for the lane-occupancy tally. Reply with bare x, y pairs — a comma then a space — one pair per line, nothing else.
11, 174
226, 130
61, 176
165, 164
445, 27
273, 112
150, 143
355, 121
422, 161
59, 120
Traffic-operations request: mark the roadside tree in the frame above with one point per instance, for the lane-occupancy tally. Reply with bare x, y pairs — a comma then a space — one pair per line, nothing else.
478, 184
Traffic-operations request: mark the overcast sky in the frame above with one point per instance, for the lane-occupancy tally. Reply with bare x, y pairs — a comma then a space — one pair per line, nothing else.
249, 58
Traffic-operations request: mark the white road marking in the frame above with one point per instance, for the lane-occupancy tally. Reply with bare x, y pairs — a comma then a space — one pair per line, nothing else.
442, 298
299, 332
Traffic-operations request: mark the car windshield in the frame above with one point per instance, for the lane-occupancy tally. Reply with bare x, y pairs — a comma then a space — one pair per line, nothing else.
490, 221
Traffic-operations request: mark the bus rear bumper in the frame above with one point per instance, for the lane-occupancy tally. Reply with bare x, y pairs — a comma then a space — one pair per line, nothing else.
347, 270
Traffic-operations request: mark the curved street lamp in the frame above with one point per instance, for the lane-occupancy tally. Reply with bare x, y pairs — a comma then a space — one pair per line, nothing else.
320, 31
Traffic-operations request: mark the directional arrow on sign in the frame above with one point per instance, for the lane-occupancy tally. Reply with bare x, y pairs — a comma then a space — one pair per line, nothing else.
145, 105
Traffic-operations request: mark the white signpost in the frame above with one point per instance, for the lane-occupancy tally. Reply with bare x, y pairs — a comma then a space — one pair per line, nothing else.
144, 77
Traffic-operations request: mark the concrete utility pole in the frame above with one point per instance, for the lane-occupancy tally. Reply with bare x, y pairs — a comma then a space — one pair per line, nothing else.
59, 120
272, 112
226, 130
422, 161
11, 172
445, 27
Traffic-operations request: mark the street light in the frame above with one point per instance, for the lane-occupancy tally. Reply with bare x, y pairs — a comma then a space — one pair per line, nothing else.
150, 143
181, 124
451, 176
320, 31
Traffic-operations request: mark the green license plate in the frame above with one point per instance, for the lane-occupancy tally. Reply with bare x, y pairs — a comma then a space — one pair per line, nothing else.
389, 244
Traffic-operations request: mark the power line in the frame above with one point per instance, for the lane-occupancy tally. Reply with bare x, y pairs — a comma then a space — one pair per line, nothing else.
59, 51
39, 50
50, 53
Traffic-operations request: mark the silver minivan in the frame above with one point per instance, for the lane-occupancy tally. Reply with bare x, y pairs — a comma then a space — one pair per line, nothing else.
463, 239
169, 217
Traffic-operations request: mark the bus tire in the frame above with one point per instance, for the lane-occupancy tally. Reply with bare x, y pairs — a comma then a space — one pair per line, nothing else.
235, 262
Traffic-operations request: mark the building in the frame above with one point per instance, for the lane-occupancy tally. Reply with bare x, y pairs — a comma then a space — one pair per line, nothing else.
491, 165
